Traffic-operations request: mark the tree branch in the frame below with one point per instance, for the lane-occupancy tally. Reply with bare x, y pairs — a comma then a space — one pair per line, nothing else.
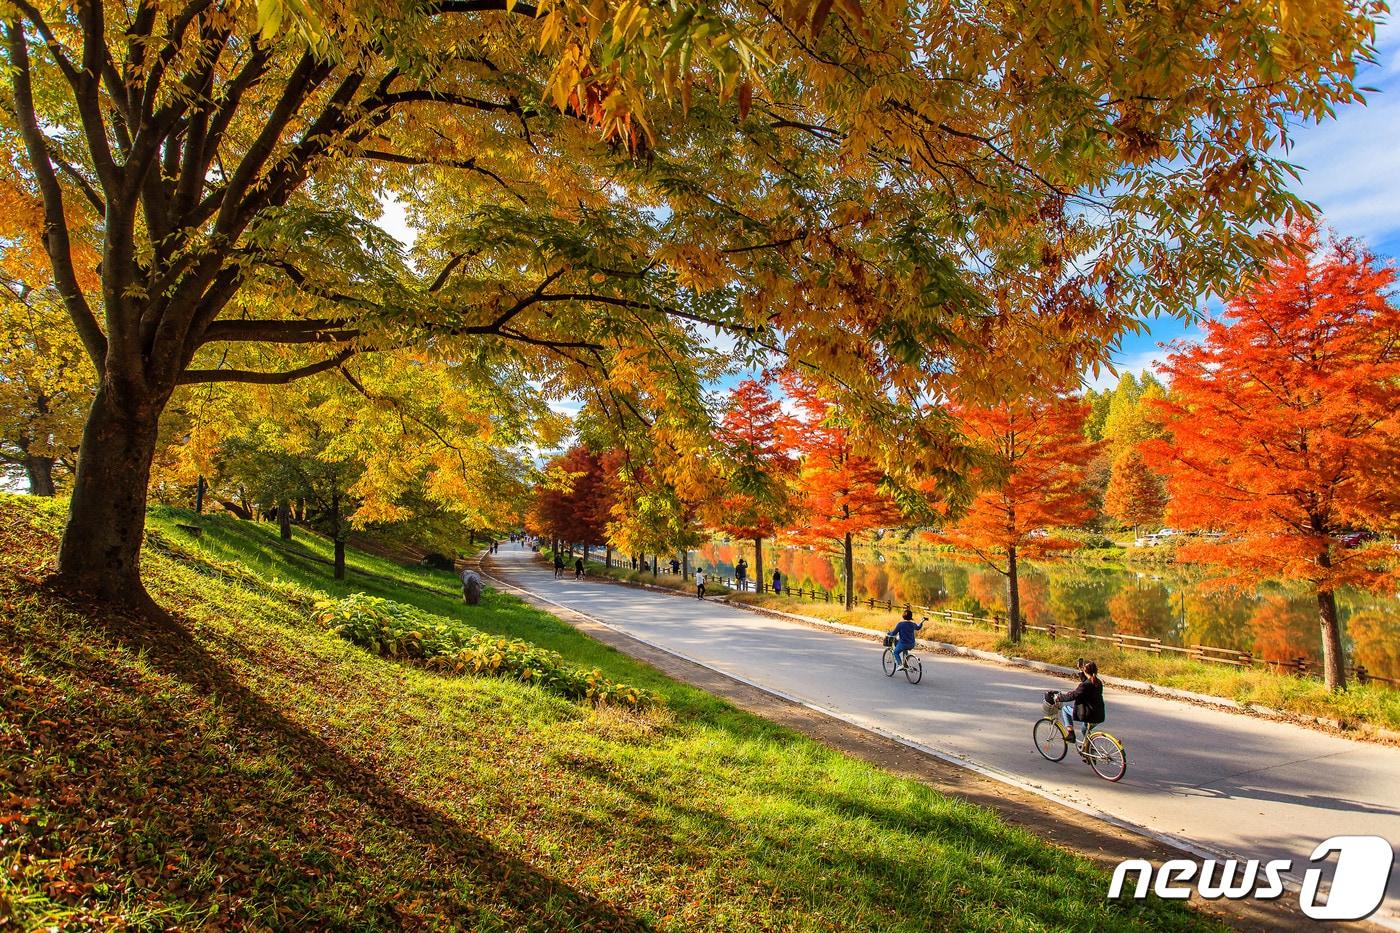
484, 6
468, 164
447, 270
326, 330
193, 376
56, 240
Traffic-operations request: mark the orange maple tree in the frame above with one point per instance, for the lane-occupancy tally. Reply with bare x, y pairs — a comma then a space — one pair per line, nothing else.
840, 493
1030, 481
1286, 424
1135, 495
757, 502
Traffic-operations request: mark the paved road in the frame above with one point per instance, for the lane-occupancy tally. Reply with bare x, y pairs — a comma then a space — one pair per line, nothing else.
1227, 782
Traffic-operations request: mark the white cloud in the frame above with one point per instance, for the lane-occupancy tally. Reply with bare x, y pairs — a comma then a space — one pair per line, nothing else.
1351, 165
1133, 362
393, 220
566, 406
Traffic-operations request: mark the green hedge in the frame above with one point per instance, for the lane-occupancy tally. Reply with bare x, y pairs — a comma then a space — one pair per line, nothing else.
395, 630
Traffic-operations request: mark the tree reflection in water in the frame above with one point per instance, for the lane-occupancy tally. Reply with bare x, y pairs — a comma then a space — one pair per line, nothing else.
1171, 603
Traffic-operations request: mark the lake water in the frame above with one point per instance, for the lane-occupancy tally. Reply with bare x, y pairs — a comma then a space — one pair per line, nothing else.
1171, 603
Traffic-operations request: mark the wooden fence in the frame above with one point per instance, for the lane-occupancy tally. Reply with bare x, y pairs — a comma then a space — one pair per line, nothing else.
1299, 666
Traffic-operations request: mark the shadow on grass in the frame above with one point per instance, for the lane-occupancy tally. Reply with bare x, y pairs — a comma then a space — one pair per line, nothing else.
224, 786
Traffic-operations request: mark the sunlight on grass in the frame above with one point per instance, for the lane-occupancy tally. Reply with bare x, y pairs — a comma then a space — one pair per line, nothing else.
323, 785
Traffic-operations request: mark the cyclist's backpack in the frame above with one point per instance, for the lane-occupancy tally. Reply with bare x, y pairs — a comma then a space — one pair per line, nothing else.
889, 641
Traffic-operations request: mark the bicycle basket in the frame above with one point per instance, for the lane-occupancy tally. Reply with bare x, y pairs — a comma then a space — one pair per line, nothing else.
889, 641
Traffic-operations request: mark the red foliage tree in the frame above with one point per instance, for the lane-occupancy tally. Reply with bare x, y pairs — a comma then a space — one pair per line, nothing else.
1031, 480
840, 493
756, 504
574, 503
1286, 424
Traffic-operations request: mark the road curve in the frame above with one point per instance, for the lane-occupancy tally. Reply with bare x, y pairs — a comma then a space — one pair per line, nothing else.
1225, 782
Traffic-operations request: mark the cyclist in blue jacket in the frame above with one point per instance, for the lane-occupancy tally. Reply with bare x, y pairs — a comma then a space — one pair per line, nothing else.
903, 634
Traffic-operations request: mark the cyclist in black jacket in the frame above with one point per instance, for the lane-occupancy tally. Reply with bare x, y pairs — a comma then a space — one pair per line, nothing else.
1085, 702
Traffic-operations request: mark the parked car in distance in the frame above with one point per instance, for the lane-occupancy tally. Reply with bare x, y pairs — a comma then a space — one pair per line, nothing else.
1156, 538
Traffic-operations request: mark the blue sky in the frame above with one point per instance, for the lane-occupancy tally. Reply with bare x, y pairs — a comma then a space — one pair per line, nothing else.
1351, 171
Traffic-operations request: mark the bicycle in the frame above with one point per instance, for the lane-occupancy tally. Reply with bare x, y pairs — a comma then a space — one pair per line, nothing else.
1099, 750
913, 668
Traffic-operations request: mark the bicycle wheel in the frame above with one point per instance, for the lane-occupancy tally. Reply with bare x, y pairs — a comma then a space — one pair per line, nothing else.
1107, 756
913, 669
888, 662
1049, 739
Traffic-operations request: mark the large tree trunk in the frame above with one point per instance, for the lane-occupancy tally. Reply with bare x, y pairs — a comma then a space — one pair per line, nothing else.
1333, 667
284, 519
39, 470
607, 560
1013, 596
850, 574
101, 551
685, 565
339, 536
758, 564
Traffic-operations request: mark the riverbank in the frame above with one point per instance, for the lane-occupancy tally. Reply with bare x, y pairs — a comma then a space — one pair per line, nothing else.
1361, 709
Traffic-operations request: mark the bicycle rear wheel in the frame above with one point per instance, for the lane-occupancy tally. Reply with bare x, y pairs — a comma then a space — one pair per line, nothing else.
888, 662
1049, 740
1107, 756
913, 669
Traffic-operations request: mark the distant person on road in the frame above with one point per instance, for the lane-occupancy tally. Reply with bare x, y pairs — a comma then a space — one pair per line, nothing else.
700, 583
578, 569
741, 574
558, 564
903, 633
1084, 703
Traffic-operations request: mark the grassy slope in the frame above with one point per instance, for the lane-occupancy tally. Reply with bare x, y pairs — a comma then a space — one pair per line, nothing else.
1359, 706
266, 773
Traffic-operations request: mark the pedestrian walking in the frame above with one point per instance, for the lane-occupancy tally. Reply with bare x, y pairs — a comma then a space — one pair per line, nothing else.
700, 583
777, 582
558, 564
741, 574
578, 569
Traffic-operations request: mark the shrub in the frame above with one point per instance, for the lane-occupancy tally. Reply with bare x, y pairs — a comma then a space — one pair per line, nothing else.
395, 630
435, 561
